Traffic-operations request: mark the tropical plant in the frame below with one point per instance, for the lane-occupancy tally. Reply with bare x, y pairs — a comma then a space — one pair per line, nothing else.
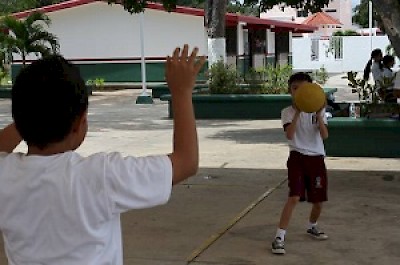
275, 78
366, 91
3, 71
371, 97
97, 83
223, 78
320, 75
28, 36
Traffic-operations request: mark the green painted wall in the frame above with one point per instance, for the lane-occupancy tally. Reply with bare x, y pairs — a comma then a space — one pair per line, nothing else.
120, 72
363, 137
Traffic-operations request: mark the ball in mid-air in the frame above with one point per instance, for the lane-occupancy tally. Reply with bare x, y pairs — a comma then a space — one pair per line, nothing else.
309, 97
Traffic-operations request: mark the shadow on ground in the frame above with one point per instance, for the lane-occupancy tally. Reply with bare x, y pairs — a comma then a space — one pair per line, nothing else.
252, 136
361, 217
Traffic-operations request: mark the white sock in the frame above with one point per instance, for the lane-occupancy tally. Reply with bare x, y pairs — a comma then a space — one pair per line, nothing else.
311, 225
281, 234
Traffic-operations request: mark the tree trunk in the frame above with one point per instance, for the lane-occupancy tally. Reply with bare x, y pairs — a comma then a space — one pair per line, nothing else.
23, 55
215, 23
389, 11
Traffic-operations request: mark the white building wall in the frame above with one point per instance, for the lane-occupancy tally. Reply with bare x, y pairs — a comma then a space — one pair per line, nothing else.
270, 42
99, 30
356, 53
343, 12
289, 13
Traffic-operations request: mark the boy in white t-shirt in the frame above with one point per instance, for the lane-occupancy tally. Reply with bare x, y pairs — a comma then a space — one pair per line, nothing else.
307, 178
57, 207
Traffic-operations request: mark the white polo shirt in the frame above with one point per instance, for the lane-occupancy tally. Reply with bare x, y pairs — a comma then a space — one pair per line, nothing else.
307, 139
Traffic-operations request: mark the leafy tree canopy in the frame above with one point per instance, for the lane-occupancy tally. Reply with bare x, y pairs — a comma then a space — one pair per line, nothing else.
135, 6
252, 7
10, 6
361, 14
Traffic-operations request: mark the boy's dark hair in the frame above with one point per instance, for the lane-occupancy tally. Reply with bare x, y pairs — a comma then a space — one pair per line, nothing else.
387, 59
300, 76
47, 97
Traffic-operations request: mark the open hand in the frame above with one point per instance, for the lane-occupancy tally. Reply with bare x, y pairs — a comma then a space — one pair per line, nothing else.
181, 70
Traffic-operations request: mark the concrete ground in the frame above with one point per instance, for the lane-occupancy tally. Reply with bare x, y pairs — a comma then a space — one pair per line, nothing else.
227, 214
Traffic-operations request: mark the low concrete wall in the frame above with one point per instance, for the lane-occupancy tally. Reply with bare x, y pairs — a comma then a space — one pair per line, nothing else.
240, 106
362, 137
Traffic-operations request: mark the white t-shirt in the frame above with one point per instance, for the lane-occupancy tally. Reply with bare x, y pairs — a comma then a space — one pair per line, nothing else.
388, 73
396, 85
376, 72
65, 209
307, 139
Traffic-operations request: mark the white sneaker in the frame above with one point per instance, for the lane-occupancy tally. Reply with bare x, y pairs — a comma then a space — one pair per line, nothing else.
278, 246
317, 234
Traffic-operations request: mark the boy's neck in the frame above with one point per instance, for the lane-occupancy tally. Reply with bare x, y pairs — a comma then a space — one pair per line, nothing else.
52, 149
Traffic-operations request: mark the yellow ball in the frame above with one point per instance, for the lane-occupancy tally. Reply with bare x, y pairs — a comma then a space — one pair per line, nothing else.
309, 97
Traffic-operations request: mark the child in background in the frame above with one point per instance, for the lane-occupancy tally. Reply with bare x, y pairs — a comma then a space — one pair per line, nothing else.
387, 81
374, 66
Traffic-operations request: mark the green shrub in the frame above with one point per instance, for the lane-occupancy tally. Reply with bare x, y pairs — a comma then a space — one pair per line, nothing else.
275, 79
3, 69
320, 76
223, 78
97, 83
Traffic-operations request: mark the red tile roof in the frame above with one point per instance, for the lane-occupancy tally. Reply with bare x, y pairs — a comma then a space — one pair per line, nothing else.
321, 18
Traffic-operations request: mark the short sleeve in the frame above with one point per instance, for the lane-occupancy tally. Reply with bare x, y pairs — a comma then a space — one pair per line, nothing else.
136, 183
287, 115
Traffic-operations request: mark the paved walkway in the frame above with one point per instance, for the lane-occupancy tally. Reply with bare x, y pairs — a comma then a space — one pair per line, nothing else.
227, 213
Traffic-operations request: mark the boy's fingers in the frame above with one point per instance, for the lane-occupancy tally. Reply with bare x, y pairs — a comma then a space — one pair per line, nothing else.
200, 63
175, 55
185, 52
193, 55
167, 65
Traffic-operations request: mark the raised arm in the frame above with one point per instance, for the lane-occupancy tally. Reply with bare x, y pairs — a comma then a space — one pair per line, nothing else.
181, 72
323, 129
9, 138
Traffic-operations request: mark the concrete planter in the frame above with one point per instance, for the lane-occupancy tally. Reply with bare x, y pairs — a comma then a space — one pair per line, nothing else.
363, 137
5, 91
240, 106
157, 91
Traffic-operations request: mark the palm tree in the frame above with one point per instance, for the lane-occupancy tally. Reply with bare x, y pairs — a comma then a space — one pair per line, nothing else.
28, 36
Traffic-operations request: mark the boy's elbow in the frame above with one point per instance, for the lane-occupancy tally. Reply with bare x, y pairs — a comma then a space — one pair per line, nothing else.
193, 168
289, 136
185, 169
324, 135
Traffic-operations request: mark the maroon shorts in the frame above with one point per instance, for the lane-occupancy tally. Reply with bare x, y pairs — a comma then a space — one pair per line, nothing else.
307, 177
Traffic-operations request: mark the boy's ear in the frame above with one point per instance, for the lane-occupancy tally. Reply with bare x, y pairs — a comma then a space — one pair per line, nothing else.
79, 122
